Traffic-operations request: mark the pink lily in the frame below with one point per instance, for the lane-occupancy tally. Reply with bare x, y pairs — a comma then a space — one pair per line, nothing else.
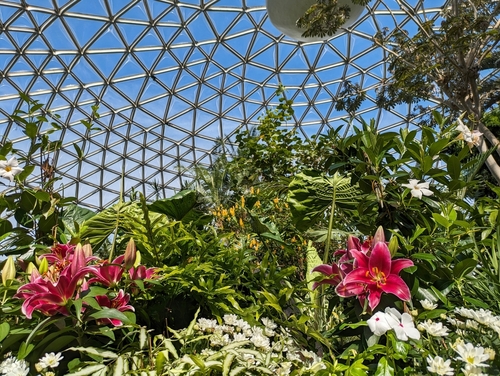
142, 273
109, 274
119, 302
346, 264
51, 297
334, 273
376, 274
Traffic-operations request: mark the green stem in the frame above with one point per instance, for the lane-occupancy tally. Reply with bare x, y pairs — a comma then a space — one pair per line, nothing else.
330, 228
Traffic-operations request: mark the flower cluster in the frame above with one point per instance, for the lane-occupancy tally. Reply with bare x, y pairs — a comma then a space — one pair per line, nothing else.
459, 351
392, 319
366, 271
473, 138
15, 367
267, 346
69, 270
482, 316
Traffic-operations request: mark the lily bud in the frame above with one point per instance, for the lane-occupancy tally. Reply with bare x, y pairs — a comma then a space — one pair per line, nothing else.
87, 250
379, 235
30, 268
130, 254
44, 266
393, 245
8, 271
78, 261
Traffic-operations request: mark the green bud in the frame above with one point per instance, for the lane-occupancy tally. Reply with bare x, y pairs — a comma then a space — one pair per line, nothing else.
44, 266
30, 268
393, 245
8, 271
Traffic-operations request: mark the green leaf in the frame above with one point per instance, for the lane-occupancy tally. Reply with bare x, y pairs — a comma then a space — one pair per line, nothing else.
111, 313
26, 172
95, 351
226, 365
161, 360
454, 169
424, 256
79, 152
464, 267
24, 350
441, 220
5, 226
181, 207
42, 196
4, 330
198, 361
383, 368
312, 193
435, 313
119, 367
31, 130
89, 370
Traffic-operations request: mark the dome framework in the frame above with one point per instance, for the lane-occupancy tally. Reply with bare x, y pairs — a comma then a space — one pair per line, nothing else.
172, 78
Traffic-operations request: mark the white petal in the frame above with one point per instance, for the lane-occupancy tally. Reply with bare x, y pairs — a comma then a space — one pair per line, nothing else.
423, 185
426, 192
416, 193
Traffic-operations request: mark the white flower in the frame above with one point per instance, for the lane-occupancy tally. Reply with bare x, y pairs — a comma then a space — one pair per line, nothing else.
206, 325
237, 337
428, 305
418, 189
471, 355
10, 168
261, 341
378, 324
402, 324
14, 367
439, 366
473, 371
50, 360
472, 138
230, 319
435, 329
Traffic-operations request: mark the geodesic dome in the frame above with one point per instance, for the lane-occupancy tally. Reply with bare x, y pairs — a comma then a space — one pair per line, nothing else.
171, 77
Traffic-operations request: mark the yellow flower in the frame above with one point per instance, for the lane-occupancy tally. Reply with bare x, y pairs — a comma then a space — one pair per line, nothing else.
241, 223
232, 211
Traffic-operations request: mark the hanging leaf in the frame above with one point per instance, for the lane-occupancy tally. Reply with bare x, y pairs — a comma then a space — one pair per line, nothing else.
311, 194
181, 207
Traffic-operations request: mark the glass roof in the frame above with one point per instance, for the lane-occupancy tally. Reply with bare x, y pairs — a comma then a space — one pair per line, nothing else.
171, 77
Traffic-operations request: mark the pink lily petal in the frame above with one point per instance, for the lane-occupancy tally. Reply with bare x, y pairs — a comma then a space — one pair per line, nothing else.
374, 298
380, 259
359, 275
324, 269
395, 285
349, 289
400, 264
361, 260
